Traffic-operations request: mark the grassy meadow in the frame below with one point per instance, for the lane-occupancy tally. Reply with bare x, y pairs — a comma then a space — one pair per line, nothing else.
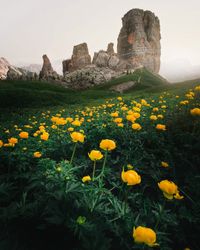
100, 170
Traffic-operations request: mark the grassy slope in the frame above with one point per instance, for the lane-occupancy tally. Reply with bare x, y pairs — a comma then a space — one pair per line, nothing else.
40, 95
147, 80
18, 94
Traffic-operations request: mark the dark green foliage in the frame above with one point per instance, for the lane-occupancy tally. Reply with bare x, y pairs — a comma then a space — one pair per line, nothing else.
45, 205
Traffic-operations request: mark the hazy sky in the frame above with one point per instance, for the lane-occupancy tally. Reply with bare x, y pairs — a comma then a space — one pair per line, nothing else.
31, 28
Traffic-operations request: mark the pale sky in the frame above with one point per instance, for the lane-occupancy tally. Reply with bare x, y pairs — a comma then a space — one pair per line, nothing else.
31, 28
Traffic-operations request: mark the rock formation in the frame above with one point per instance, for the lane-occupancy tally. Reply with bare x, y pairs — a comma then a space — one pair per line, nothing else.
110, 49
15, 73
67, 66
80, 58
4, 67
89, 76
139, 40
106, 58
138, 46
47, 72
101, 58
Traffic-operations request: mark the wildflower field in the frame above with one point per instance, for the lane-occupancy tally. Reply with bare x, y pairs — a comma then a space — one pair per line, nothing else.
121, 174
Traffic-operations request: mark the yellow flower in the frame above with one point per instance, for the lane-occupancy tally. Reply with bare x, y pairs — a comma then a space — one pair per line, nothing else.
44, 136
37, 154
143, 102
195, 112
160, 116
95, 155
58, 121
136, 115
130, 177
120, 125
69, 119
41, 128
184, 102
115, 114
70, 129
197, 88
118, 120
155, 109
13, 140
54, 126
145, 235
131, 118
153, 117
137, 109
1, 143
161, 127
107, 144
169, 189
136, 126
77, 137
76, 123
164, 164
138, 105
86, 178
124, 108
119, 98
23, 135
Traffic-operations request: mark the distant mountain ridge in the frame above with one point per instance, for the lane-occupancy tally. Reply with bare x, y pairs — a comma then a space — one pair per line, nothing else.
35, 68
4, 67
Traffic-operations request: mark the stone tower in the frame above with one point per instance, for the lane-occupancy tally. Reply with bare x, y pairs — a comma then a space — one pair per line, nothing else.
139, 40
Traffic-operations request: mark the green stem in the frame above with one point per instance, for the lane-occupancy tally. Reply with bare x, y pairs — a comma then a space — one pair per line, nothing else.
74, 150
126, 198
104, 164
100, 176
93, 173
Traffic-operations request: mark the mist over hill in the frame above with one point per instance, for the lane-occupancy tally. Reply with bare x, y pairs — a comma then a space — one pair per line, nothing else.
179, 70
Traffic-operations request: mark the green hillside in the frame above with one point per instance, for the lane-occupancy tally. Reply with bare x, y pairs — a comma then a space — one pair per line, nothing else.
54, 194
32, 94
143, 78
